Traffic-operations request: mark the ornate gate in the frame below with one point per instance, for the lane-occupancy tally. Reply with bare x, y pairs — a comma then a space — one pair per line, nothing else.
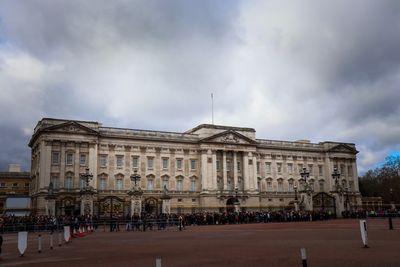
324, 202
111, 207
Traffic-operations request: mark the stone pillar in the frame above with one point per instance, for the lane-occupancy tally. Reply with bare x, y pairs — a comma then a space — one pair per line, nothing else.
255, 175
45, 164
136, 205
224, 171
87, 204
307, 201
339, 203
166, 206
246, 171
77, 179
93, 163
204, 178
235, 171
50, 206
214, 171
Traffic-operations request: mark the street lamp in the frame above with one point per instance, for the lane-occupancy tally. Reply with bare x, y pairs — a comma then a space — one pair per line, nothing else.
86, 177
336, 177
295, 192
135, 177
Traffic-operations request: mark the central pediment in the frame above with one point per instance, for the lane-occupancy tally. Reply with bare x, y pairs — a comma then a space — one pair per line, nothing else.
71, 127
229, 137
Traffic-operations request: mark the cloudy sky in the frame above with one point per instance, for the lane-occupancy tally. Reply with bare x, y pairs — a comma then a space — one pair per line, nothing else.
317, 70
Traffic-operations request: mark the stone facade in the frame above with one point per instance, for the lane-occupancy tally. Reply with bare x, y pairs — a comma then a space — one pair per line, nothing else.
204, 169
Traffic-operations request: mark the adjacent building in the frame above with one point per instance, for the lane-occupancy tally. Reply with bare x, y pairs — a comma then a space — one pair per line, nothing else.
205, 168
14, 191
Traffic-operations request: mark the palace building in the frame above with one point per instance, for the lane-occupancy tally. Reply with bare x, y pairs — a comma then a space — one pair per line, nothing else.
207, 168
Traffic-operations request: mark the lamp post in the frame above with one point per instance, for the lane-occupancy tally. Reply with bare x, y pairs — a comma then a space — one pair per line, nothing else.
86, 193
306, 193
338, 193
136, 194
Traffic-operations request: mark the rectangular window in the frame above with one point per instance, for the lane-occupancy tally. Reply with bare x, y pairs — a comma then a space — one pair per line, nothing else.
150, 163
179, 164
310, 169
193, 185
103, 184
321, 186
135, 162
193, 164
218, 166
56, 181
55, 158
320, 170
290, 168
239, 166
291, 186
103, 160
228, 165
119, 184
69, 159
250, 162
120, 162
258, 167
280, 186
165, 183
300, 167
82, 160
68, 182
82, 183
165, 163
267, 167
279, 167
179, 185
150, 184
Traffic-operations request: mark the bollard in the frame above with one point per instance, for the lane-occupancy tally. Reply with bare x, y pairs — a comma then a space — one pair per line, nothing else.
59, 238
390, 222
303, 257
51, 240
40, 243
158, 262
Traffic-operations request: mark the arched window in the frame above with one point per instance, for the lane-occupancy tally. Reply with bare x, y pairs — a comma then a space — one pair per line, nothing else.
220, 183
150, 182
103, 183
291, 183
193, 184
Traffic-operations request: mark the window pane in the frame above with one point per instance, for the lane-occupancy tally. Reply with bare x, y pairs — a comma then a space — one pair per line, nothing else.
82, 159
165, 163
193, 164
69, 159
120, 161
179, 164
150, 163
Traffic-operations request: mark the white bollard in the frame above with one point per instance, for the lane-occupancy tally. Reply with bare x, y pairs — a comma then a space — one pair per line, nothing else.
364, 236
40, 243
158, 262
51, 240
303, 257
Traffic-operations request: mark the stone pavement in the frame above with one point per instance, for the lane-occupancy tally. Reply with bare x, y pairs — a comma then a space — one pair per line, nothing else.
328, 243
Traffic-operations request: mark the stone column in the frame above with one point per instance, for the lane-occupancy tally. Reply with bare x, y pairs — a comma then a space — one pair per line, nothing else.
224, 171
77, 180
214, 171
136, 204
246, 171
204, 168
45, 164
235, 171
255, 175
93, 163
339, 201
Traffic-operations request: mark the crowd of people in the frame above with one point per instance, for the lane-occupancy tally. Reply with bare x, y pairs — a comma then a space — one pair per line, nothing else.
162, 221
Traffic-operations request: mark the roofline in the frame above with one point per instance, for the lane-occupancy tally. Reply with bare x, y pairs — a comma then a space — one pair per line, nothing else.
222, 127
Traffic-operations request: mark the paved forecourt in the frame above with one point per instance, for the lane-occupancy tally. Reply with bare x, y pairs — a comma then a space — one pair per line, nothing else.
328, 243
